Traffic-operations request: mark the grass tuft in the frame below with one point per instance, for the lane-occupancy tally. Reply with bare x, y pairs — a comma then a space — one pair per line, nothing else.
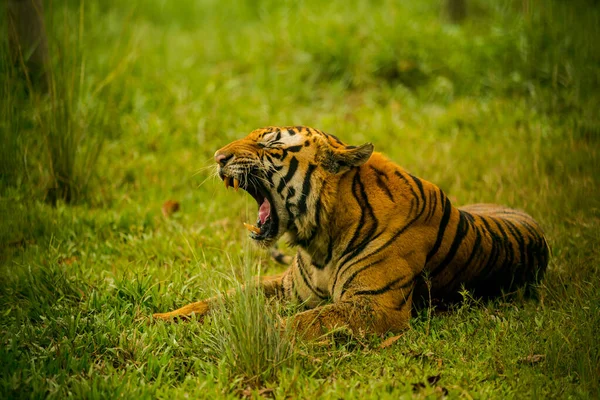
244, 336
55, 133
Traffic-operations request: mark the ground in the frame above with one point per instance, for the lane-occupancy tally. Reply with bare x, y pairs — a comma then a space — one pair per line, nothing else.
501, 109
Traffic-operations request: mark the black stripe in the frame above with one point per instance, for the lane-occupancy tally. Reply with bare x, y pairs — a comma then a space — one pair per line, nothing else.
318, 208
538, 243
458, 274
316, 226
284, 154
523, 256
295, 149
280, 258
385, 288
509, 253
433, 205
514, 230
329, 251
535, 234
305, 242
381, 183
492, 261
525, 221
461, 232
358, 250
362, 216
517, 236
476, 247
447, 207
288, 176
386, 244
305, 189
351, 277
467, 215
290, 193
268, 156
300, 264
338, 141
358, 190
420, 186
291, 132
540, 249
350, 251
369, 237
403, 178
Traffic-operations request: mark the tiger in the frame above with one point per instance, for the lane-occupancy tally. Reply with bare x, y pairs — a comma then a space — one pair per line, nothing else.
373, 240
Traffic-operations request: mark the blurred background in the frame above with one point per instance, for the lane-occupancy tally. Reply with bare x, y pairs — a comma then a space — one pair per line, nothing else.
157, 85
111, 111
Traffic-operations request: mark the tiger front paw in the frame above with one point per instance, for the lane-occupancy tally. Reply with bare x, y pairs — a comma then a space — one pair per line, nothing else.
197, 310
169, 316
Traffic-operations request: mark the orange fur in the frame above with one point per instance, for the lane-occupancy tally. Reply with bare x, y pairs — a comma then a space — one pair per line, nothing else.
371, 236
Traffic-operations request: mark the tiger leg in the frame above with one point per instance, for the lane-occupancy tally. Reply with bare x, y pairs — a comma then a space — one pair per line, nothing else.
280, 257
361, 314
271, 286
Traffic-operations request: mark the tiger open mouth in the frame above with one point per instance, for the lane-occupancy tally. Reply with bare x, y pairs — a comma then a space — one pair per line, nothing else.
267, 222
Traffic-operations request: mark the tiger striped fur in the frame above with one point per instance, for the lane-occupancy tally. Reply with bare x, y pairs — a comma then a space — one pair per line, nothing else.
372, 237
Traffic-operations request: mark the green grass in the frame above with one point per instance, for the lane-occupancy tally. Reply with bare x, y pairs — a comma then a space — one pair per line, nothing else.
500, 109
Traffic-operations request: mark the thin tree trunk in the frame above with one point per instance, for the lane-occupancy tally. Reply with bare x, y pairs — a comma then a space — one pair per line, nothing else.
456, 10
28, 41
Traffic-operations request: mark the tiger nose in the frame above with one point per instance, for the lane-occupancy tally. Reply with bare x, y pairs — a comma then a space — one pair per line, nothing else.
222, 158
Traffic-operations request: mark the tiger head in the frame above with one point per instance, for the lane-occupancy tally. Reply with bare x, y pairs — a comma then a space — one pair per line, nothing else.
292, 173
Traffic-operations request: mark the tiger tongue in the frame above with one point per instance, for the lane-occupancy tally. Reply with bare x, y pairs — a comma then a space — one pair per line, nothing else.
264, 211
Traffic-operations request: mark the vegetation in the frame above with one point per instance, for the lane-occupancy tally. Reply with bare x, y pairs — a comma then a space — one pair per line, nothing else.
502, 108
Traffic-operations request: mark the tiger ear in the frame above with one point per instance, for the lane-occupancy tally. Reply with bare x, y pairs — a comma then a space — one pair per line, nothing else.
340, 160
